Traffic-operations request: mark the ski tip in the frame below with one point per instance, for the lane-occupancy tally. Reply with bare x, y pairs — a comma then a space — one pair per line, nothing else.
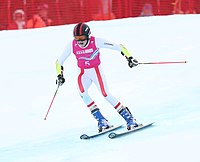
112, 135
151, 123
84, 136
147, 124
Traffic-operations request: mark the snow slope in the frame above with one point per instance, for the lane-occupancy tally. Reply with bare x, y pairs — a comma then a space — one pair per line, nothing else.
167, 94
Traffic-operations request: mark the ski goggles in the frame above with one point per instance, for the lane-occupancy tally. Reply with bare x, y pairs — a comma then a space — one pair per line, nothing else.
80, 38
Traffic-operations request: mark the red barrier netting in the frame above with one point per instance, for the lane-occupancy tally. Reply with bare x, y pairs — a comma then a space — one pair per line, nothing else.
73, 11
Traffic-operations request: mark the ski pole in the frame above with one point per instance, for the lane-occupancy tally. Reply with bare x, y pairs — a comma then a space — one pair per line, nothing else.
169, 62
52, 102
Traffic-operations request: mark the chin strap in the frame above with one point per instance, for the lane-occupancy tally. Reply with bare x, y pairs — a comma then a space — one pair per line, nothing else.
88, 39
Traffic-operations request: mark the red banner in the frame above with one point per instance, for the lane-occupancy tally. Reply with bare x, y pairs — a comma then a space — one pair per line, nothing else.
73, 11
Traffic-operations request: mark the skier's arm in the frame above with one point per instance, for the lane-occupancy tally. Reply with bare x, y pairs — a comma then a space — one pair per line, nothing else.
101, 43
59, 64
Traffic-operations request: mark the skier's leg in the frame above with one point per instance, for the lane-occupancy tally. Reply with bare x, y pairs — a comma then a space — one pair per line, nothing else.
100, 81
122, 110
84, 82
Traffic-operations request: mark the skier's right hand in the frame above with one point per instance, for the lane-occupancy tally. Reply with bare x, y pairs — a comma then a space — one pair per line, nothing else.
60, 80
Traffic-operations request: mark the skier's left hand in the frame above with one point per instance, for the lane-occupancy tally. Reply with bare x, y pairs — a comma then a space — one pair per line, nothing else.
132, 62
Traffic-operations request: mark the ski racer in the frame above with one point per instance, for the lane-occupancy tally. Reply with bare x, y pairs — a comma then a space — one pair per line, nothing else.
86, 49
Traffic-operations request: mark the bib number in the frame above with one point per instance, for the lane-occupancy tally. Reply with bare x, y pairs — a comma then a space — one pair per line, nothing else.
87, 63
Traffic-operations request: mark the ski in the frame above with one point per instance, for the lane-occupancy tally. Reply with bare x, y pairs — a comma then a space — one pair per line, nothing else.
115, 135
85, 136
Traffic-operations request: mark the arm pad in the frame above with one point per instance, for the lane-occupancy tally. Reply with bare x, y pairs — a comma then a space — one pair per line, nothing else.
124, 51
59, 68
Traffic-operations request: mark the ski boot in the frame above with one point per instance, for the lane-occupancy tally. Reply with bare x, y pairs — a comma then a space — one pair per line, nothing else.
102, 122
131, 122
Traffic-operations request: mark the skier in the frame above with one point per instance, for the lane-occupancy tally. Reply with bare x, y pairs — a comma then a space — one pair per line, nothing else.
86, 48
